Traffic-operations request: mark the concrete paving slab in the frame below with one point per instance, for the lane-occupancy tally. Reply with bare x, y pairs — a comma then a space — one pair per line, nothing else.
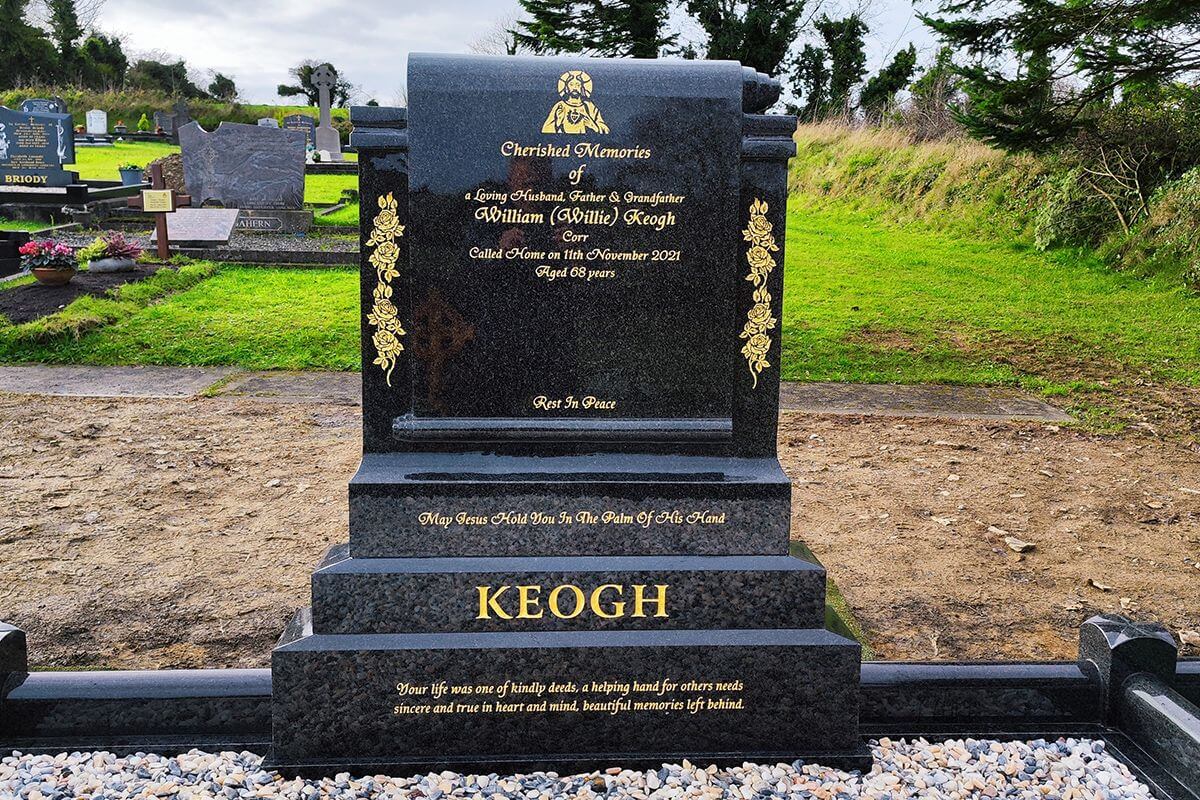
110, 381
342, 388
948, 402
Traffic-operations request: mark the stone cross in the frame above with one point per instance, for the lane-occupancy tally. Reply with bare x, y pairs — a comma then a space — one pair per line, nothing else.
160, 217
325, 79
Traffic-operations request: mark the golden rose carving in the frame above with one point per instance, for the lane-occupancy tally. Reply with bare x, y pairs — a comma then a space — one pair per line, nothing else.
384, 317
759, 319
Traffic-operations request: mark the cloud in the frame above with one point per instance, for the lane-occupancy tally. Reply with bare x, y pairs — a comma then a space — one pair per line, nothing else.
256, 42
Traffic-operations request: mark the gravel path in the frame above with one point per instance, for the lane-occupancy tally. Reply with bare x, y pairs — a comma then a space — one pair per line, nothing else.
326, 243
1068, 769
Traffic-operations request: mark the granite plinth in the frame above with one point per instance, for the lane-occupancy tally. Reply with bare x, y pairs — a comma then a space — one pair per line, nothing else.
537, 697
439, 504
427, 595
275, 220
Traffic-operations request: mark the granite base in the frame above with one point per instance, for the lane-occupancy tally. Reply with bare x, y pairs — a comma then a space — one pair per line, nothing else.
600, 697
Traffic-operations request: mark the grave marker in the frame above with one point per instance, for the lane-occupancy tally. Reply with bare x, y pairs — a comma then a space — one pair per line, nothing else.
97, 122
34, 147
327, 137
569, 532
160, 201
302, 122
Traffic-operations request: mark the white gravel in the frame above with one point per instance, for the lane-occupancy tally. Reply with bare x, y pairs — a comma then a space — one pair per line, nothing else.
1068, 769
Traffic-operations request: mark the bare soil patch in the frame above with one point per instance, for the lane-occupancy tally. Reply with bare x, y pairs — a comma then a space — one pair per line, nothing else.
32, 301
181, 533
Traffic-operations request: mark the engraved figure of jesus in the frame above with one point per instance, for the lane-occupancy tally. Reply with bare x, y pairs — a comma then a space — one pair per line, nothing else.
574, 112
3, 142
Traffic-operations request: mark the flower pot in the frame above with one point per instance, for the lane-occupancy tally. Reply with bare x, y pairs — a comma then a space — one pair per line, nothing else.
52, 276
110, 265
130, 177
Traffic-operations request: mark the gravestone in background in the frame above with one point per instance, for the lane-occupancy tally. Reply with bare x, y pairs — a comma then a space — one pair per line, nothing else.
97, 122
268, 122
257, 169
302, 122
180, 116
41, 105
33, 149
569, 533
165, 122
327, 137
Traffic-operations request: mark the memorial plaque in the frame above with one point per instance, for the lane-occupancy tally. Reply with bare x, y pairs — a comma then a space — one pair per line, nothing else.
569, 533
33, 148
158, 200
302, 122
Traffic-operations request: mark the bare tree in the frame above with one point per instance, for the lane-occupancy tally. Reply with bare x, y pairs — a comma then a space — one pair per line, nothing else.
498, 40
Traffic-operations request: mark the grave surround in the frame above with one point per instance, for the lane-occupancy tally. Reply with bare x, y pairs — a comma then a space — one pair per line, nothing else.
569, 531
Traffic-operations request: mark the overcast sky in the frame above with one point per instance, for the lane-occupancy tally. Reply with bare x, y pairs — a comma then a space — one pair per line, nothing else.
257, 41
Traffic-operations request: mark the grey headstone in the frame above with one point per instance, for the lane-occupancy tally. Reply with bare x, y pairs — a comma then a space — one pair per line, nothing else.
33, 148
243, 166
180, 115
327, 137
200, 227
268, 122
164, 120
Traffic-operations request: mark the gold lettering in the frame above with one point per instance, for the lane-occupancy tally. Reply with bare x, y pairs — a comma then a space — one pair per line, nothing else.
488, 602
639, 600
618, 607
580, 603
528, 598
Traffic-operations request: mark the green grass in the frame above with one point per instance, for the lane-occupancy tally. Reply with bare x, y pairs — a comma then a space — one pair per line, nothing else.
258, 318
343, 216
100, 163
325, 190
870, 301
22, 225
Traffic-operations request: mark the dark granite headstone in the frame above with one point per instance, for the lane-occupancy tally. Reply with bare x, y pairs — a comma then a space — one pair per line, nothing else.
180, 116
243, 166
302, 122
33, 148
569, 531
41, 105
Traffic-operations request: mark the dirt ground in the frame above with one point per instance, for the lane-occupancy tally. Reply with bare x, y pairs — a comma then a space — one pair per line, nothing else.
181, 533
22, 304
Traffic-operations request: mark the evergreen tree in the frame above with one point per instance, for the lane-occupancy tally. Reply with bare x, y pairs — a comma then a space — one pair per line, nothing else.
339, 95
26, 56
223, 88
65, 30
847, 55
881, 89
811, 79
757, 33
615, 28
1037, 66
102, 62
170, 78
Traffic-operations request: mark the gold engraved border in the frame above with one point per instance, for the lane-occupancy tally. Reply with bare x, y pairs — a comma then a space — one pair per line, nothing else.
384, 316
759, 318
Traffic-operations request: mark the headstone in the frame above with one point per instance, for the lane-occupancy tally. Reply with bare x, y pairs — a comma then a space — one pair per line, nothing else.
569, 533
327, 137
165, 122
41, 105
268, 122
180, 115
302, 122
200, 227
97, 122
33, 149
243, 166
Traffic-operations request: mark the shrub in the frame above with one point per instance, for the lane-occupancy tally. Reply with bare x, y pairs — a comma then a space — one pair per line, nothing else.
144, 124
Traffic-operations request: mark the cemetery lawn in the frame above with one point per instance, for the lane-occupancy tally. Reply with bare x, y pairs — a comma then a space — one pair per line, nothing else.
100, 163
872, 302
259, 318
